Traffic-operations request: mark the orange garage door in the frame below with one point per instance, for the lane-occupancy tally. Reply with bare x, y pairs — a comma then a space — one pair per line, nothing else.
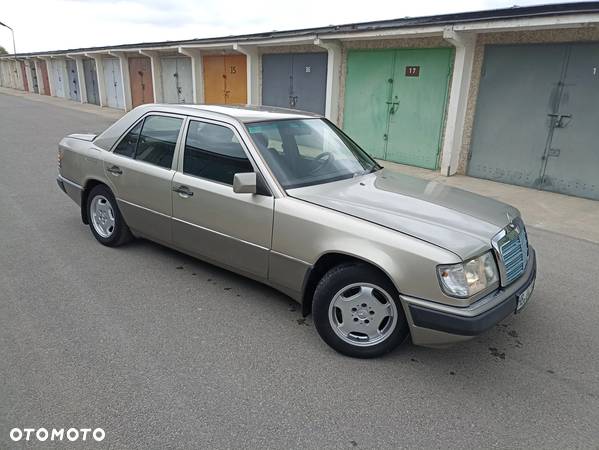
225, 79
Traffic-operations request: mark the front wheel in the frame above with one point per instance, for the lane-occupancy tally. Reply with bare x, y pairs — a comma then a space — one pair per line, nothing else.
357, 311
105, 219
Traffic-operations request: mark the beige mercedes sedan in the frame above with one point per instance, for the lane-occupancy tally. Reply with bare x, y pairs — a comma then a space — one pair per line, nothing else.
288, 199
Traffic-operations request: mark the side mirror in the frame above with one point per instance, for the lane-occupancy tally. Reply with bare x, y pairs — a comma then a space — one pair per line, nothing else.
245, 183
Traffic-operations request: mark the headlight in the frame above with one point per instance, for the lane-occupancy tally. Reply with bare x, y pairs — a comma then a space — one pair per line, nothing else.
470, 277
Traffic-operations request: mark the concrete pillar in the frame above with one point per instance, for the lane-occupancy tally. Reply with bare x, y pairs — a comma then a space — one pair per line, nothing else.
333, 79
124, 65
40, 76
100, 74
197, 72
156, 74
464, 44
48, 62
252, 55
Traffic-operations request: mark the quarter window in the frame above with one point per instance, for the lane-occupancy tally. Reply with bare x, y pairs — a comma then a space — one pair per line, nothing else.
158, 139
214, 152
128, 144
152, 140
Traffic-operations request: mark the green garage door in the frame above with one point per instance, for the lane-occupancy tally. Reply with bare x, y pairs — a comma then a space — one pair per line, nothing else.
395, 103
536, 120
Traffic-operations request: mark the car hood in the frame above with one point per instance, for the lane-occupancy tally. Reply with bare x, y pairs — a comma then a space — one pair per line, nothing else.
457, 220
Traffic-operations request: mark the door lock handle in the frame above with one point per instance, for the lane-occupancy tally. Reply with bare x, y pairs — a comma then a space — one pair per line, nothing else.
559, 119
115, 170
393, 108
183, 191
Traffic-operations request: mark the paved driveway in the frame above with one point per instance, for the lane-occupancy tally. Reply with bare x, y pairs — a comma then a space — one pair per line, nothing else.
161, 350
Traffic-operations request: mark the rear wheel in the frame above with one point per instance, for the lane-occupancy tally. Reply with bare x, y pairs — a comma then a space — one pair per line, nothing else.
105, 219
357, 311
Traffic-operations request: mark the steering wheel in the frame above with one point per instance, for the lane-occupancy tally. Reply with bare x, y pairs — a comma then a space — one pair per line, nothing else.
322, 162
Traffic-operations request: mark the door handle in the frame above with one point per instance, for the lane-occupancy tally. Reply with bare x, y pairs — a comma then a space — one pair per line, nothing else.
394, 106
183, 191
115, 170
558, 120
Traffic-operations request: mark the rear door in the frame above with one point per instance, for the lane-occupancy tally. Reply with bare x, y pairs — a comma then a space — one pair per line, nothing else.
140, 170
209, 219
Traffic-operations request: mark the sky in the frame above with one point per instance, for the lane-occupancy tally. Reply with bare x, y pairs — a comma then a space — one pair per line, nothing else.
42, 25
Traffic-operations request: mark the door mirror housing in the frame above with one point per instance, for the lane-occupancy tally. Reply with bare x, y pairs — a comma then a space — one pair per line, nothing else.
250, 183
245, 183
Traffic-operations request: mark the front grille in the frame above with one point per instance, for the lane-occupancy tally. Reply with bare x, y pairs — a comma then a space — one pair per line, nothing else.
512, 250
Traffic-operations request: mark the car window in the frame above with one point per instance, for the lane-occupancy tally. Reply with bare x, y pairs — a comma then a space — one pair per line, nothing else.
128, 144
157, 140
304, 152
214, 152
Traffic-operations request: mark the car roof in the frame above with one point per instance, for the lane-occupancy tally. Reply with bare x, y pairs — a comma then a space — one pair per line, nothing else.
242, 113
238, 113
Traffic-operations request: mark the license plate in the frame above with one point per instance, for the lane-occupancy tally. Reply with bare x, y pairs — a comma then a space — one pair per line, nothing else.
524, 297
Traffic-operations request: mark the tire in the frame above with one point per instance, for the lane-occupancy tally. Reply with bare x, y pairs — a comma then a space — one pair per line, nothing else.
357, 311
105, 219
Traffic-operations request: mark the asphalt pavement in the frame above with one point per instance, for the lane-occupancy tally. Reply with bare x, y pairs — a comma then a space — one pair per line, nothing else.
164, 351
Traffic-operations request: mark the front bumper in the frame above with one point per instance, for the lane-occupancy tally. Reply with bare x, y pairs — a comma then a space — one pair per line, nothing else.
434, 324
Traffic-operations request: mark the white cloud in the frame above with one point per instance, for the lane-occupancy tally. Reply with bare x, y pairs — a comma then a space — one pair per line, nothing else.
62, 24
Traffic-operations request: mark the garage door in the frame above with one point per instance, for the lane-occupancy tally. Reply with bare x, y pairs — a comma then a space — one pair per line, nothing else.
91, 81
73, 80
295, 80
58, 74
140, 75
114, 83
44, 75
536, 119
395, 103
176, 80
34, 81
225, 79
24, 75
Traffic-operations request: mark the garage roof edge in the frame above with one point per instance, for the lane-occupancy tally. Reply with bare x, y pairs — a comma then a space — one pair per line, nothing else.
516, 12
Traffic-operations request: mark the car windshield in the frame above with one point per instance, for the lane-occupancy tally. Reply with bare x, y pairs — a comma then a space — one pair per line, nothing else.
304, 152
